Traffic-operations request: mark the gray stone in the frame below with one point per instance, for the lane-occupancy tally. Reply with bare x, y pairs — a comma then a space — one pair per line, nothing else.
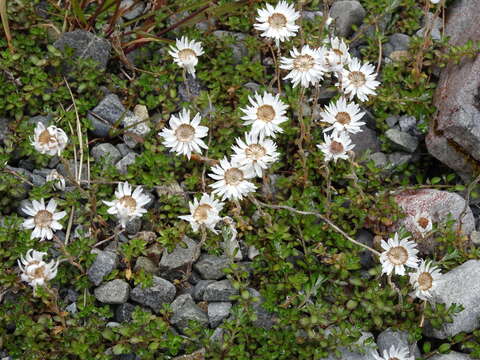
402, 140
452, 289
453, 355
399, 339
365, 237
391, 121
346, 14
217, 336
72, 308
398, 158
4, 130
231, 246
408, 124
133, 226
108, 112
188, 94
252, 252
173, 265
397, 46
380, 159
312, 15
219, 291
106, 151
124, 149
37, 180
217, 311
113, 292
184, 310
265, 319
210, 267
145, 264
122, 165
253, 87
238, 46
366, 351
365, 140
199, 289
436, 27
134, 11
162, 292
68, 171
86, 46
104, 264
124, 312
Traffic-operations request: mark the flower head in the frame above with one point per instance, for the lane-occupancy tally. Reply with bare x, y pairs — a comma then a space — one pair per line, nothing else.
265, 114
425, 280
337, 57
185, 54
204, 212
277, 22
336, 146
423, 223
57, 179
44, 219
50, 140
400, 353
359, 80
343, 116
35, 271
255, 154
397, 255
306, 67
232, 181
185, 136
127, 205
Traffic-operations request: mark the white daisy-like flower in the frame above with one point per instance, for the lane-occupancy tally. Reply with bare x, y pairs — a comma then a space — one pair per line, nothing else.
204, 212
185, 136
423, 223
337, 57
127, 205
186, 53
44, 219
57, 179
265, 114
306, 67
336, 146
277, 22
51, 140
343, 116
400, 353
232, 181
397, 255
35, 271
255, 154
359, 80
425, 280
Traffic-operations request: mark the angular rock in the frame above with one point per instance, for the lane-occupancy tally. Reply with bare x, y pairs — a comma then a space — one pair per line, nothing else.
133, 11
188, 94
173, 265
162, 292
388, 337
124, 312
379, 158
133, 226
346, 14
122, 165
104, 264
211, 267
219, 291
365, 140
113, 292
453, 355
408, 124
217, 312
106, 151
366, 351
145, 264
199, 289
398, 158
4, 130
108, 112
402, 140
185, 310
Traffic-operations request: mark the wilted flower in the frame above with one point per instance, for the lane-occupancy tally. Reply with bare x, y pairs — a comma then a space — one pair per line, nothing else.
35, 271
44, 220
397, 255
185, 54
425, 280
50, 141
232, 182
423, 223
57, 179
336, 146
204, 212
277, 22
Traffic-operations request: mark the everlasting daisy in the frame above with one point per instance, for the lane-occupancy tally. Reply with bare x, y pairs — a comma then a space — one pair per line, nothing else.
232, 182
255, 154
204, 212
343, 116
265, 114
336, 146
425, 280
277, 22
185, 136
400, 353
359, 80
35, 271
337, 57
127, 205
44, 220
423, 223
57, 179
185, 54
50, 141
306, 67
397, 255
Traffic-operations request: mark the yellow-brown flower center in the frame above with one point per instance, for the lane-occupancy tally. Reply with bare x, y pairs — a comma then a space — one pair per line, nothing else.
425, 281
277, 21
46, 138
129, 202
336, 147
423, 222
343, 118
233, 176
201, 212
357, 78
303, 63
397, 255
185, 133
266, 113
39, 272
338, 52
186, 54
255, 151
43, 218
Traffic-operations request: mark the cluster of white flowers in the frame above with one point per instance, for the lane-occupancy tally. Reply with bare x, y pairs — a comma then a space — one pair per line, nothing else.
35, 271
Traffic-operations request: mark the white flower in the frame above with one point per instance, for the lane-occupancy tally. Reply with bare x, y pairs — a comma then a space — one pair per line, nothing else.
255, 154
51, 140
359, 80
186, 53
306, 67
44, 220
397, 255
423, 223
336, 146
185, 136
343, 116
337, 57
435, 1
277, 22
265, 114
204, 212
400, 353
57, 179
35, 271
127, 205
425, 280
231, 181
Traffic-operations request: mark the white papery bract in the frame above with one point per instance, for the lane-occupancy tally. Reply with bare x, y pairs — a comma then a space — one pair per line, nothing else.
343, 116
127, 205
51, 140
337, 56
44, 219
265, 114
204, 212
232, 182
400, 353
185, 53
435, 1
397, 255
336, 146
425, 280
423, 223
277, 23
185, 136
306, 67
359, 80
57, 179
255, 154
35, 271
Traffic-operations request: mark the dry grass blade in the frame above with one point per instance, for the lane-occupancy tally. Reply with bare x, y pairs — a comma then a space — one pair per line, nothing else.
6, 27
